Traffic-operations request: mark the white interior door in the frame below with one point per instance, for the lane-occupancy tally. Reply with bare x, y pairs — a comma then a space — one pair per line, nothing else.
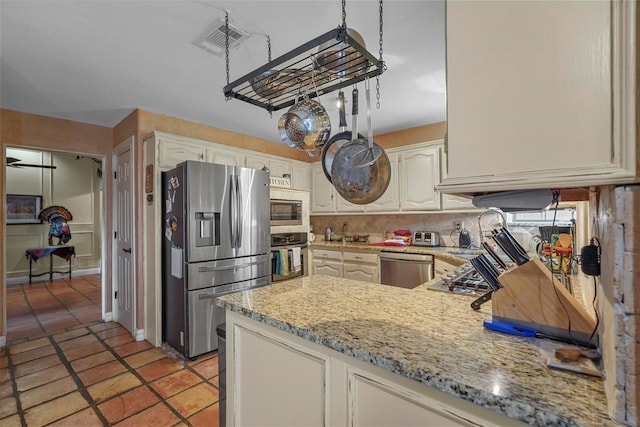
123, 225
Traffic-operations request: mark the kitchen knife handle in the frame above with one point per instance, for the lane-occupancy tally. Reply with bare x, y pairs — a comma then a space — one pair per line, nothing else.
494, 255
489, 265
514, 242
483, 298
486, 274
506, 245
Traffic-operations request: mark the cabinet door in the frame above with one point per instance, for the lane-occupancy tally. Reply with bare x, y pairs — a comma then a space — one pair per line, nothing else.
300, 176
419, 175
449, 201
442, 267
225, 157
275, 383
373, 402
322, 198
550, 100
390, 200
279, 167
256, 162
327, 267
362, 272
343, 205
170, 153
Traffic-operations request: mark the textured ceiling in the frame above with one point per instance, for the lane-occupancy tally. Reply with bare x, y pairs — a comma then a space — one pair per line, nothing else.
96, 61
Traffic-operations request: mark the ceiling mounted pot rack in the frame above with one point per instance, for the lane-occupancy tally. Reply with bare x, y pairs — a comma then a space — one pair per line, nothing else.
329, 62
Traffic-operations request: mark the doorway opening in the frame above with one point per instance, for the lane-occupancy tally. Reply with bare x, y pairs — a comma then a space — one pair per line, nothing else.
59, 301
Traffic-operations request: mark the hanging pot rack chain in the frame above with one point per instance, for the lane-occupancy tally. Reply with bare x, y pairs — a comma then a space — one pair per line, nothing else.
226, 47
273, 86
384, 67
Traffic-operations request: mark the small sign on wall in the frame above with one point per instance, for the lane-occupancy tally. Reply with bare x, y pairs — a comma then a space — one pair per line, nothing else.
148, 179
277, 181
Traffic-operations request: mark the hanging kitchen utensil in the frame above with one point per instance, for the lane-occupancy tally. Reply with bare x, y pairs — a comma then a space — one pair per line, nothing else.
366, 157
360, 185
338, 140
306, 125
340, 59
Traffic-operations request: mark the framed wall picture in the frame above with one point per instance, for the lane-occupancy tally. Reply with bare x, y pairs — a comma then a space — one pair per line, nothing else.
23, 209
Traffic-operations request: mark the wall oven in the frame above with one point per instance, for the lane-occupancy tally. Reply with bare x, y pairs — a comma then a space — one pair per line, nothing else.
286, 212
288, 256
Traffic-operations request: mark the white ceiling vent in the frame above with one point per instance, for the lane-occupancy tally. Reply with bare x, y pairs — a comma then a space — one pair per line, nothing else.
214, 40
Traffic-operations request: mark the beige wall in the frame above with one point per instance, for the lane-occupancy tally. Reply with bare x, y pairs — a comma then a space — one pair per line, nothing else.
27, 130
75, 185
32, 131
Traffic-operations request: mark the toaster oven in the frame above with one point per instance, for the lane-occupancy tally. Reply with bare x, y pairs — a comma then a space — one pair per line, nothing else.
426, 238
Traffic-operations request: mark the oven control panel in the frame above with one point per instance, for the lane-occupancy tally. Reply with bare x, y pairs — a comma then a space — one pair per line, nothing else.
287, 239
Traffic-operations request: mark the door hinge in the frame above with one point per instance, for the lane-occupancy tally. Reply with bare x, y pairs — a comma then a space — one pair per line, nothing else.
115, 175
116, 295
115, 234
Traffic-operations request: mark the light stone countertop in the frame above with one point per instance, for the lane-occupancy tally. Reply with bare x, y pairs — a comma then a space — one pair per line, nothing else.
431, 337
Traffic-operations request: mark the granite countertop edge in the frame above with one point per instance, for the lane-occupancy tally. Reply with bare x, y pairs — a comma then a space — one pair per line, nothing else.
504, 405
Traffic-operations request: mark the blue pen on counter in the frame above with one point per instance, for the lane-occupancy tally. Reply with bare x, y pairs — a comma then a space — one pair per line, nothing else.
521, 331
506, 328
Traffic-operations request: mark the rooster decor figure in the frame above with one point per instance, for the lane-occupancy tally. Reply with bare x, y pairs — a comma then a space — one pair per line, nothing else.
57, 216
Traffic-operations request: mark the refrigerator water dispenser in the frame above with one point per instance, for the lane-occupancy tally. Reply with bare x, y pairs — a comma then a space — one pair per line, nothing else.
208, 224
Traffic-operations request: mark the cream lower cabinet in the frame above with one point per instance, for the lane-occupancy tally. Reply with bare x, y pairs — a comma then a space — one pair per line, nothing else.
443, 267
347, 264
364, 267
278, 379
327, 262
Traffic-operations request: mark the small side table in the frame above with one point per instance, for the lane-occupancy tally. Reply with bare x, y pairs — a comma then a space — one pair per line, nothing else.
64, 252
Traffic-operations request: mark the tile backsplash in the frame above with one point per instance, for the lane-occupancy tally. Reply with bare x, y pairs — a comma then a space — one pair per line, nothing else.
377, 225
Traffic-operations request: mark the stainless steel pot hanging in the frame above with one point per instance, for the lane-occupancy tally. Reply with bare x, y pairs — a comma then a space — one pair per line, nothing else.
306, 125
360, 185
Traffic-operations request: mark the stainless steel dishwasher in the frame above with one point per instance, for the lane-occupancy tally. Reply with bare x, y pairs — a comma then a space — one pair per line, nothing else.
405, 270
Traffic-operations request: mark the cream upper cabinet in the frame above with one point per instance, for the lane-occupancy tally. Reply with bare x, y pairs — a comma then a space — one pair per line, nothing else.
342, 205
540, 94
390, 200
280, 167
300, 175
256, 162
449, 201
171, 152
322, 198
419, 174
225, 157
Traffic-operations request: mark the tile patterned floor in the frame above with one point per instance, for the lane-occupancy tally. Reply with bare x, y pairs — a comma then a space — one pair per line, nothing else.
42, 308
66, 373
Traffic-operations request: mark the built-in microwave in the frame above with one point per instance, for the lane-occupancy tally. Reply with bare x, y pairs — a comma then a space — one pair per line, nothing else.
286, 212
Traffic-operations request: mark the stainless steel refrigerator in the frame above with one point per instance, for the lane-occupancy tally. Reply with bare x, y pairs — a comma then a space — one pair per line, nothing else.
216, 241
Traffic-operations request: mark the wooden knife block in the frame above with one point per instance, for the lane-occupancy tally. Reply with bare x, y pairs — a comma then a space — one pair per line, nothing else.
531, 297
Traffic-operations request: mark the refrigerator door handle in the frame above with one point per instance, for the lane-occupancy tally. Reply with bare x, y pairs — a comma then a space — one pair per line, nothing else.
233, 182
228, 267
239, 220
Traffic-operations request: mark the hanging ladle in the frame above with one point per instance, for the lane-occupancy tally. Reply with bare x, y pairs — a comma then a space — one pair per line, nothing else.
372, 152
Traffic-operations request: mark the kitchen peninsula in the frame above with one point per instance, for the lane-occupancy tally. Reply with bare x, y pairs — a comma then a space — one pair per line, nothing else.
336, 351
